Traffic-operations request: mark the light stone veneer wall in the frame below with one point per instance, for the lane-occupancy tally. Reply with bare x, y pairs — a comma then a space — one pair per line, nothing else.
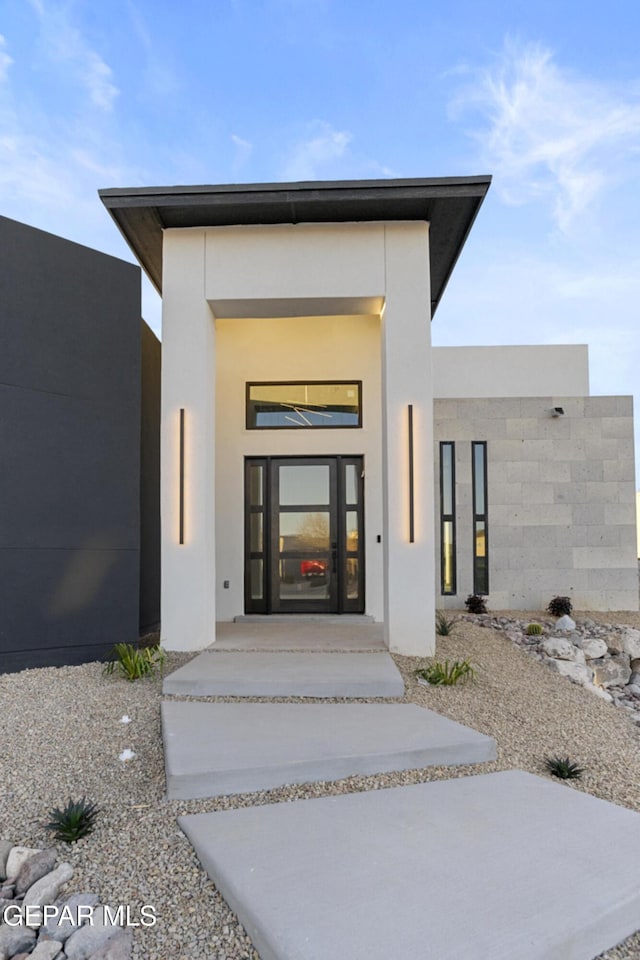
561, 500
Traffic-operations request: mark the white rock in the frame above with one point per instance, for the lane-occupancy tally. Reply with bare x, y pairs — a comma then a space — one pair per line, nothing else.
14, 940
47, 889
598, 692
18, 856
89, 939
614, 643
576, 671
126, 755
562, 649
631, 643
565, 623
612, 671
61, 926
593, 648
125, 719
46, 950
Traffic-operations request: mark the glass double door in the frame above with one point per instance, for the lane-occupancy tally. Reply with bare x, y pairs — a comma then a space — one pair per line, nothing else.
304, 535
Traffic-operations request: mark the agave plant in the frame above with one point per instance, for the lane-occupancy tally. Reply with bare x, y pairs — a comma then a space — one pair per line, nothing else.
74, 821
563, 768
446, 674
444, 626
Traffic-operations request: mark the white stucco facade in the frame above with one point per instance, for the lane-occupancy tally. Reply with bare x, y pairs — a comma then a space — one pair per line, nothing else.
511, 371
241, 304
337, 282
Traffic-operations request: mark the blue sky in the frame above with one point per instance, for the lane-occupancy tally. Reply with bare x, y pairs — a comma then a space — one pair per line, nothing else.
545, 96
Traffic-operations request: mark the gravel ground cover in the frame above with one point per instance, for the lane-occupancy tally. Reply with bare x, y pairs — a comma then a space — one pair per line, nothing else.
62, 736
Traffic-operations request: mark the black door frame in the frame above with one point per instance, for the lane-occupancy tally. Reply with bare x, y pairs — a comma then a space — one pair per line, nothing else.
267, 557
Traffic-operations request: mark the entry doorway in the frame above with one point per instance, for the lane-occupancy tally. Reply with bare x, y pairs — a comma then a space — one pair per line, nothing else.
304, 535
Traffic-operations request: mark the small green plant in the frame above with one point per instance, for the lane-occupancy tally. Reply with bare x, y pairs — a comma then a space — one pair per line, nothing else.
446, 674
563, 768
444, 626
560, 607
533, 630
134, 662
476, 604
74, 821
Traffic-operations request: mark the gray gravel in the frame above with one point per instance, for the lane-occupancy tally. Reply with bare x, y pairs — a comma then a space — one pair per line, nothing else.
62, 737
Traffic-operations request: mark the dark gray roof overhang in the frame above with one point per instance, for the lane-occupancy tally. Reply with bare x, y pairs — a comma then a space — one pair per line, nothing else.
449, 204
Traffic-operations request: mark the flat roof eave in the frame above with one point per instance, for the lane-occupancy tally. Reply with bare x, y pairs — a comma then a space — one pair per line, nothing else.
449, 204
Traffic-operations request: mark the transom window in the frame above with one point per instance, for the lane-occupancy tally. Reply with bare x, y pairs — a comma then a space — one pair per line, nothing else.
311, 405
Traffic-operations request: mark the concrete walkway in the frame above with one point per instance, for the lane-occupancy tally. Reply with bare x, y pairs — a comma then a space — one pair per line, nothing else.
286, 674
351, 634
223, 748
505, 866
493, 867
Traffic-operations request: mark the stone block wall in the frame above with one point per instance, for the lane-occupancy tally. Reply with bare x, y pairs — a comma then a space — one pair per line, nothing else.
561, 500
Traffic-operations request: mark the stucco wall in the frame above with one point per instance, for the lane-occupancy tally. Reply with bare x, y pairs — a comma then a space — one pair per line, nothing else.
513, 371
215, 275
309, 348
562, 507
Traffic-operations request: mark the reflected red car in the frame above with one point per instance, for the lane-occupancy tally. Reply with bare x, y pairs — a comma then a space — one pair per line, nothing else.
313, 568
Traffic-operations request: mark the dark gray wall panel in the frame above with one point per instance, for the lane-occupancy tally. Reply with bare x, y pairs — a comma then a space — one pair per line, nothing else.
65, 606
70, 400
66, 317
150, 483
69, 467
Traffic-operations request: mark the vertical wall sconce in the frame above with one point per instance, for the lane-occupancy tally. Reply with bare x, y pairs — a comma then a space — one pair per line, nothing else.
181, 481
411, 505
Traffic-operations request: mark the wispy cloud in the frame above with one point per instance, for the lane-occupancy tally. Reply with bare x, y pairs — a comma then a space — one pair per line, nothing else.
547, 133
244, 149
160, 79
5, 59
65, 44
310, 157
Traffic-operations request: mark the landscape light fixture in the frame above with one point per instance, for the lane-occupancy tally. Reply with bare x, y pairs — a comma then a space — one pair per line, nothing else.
411, 480
181, 480
557, 411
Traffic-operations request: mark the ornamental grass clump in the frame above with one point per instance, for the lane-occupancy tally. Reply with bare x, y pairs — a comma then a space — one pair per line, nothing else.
74, 821
563, 768
134, 662
446, 674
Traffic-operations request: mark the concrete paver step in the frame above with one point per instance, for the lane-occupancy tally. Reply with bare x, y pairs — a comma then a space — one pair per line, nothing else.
287, 674
220, 748
493, 867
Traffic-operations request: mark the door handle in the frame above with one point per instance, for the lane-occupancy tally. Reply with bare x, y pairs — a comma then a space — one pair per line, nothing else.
334, 557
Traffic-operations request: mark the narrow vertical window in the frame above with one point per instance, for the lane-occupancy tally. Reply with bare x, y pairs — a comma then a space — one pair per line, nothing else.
447, 518
480, 529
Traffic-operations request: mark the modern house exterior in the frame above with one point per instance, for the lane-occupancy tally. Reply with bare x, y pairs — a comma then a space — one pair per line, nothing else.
79, 398
319, 457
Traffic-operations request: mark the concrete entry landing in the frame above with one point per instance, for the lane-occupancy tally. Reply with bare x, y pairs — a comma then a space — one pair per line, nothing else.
287, 674
291, 632
212, 749
495, 867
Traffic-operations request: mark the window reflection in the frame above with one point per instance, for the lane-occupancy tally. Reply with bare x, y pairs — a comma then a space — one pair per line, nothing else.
303, 484
303, 405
